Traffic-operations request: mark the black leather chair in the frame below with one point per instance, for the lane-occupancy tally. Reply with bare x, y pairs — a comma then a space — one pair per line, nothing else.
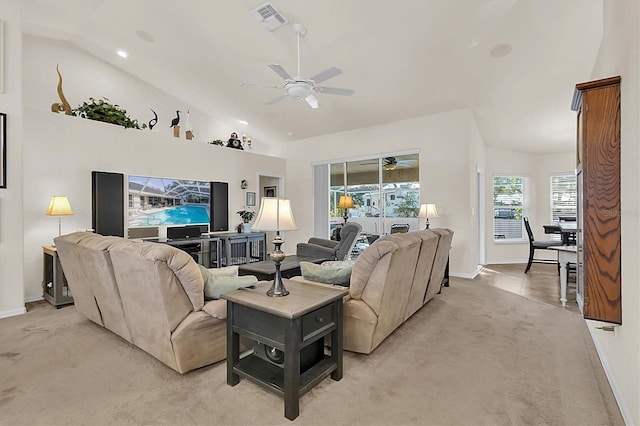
537, 245
330, 249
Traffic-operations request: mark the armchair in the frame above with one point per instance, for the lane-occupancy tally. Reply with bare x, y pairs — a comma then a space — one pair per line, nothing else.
332, 250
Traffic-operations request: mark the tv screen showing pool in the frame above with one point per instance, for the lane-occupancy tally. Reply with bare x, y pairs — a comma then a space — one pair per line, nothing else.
163, 201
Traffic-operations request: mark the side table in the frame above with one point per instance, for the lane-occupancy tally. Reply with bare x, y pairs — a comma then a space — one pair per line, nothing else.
295, 325
54, 284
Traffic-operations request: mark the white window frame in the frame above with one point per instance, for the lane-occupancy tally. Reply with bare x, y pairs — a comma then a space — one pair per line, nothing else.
552, 191
555, 218
523, 207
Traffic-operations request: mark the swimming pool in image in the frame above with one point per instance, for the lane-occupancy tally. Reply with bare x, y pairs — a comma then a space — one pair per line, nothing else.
180, 215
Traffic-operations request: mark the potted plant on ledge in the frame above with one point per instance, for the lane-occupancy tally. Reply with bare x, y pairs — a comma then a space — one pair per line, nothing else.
247, 216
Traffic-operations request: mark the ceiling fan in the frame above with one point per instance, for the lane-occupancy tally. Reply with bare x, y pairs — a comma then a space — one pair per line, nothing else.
300, 88
391, 163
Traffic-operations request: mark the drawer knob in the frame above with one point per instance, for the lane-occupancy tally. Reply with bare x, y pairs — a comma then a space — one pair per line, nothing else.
319, 319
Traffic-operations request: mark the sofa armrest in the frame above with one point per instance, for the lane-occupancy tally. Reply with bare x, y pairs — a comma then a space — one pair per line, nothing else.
313, 250
322, 242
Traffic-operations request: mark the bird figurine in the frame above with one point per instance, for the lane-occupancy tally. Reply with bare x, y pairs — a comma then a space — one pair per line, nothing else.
154, 120
187, 126
176, 120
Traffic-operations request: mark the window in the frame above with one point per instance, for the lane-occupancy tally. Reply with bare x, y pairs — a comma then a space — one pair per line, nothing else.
508, 200
385, 191
564, 197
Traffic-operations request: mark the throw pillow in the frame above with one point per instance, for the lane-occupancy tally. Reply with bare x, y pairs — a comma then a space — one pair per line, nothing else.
219, 285
326, 274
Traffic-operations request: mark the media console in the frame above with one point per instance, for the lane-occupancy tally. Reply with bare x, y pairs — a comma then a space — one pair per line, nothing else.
217, 250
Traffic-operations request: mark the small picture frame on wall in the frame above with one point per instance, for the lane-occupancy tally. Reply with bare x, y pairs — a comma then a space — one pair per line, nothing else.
270, 191
3, 150
251, 199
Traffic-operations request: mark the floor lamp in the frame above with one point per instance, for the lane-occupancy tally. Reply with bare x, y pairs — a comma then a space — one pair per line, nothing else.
427, 211
275, 215
59, 206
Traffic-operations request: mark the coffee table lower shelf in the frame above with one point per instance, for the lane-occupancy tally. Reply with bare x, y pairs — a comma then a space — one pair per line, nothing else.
271, 376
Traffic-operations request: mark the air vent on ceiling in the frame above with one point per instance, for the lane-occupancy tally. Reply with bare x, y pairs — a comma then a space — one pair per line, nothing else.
269, 17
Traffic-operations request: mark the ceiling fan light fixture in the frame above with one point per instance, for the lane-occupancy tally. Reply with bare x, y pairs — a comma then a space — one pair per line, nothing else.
389, 167
298, 90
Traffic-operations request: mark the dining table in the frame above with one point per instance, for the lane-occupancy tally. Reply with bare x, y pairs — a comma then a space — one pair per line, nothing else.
566, 255
568, 231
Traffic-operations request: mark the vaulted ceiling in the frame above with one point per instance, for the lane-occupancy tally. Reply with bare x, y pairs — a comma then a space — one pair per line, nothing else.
514, 63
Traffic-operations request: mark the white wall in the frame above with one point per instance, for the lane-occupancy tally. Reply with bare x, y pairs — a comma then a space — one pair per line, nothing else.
620, 350
53, 154
85, 76
445, 167
538, 169
11, 242
61, 151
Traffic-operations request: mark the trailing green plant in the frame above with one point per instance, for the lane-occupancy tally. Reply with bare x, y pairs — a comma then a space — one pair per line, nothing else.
103, 110
217, 142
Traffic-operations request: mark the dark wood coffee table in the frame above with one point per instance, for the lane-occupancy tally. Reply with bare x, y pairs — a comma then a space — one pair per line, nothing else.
265, 270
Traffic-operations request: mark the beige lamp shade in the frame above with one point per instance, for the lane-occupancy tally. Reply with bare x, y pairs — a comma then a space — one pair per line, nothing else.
59, 206
345, 202
428, 211
275, 215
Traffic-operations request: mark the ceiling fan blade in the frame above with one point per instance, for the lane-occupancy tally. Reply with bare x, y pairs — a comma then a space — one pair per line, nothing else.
334, 91
276, 100
312, 101
260, 86
326, 74
280, 71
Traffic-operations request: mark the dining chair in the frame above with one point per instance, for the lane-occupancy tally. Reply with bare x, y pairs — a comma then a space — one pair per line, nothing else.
537, 245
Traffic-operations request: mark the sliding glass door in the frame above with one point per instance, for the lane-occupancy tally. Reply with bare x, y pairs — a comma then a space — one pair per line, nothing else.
385, 193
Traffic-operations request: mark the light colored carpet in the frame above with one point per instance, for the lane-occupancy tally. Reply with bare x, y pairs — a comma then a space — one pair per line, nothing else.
474, 355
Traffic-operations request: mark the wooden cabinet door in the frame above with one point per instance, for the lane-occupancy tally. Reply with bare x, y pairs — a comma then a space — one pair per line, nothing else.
600, 161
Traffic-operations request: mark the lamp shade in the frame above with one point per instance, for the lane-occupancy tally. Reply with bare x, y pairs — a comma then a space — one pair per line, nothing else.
59, 206
275, 215
428, 210
345, 202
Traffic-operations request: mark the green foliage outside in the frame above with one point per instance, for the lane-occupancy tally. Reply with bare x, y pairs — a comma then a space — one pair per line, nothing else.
409, 206
102, 110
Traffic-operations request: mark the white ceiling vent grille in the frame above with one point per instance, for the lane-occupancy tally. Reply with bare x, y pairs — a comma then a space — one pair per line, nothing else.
269, 17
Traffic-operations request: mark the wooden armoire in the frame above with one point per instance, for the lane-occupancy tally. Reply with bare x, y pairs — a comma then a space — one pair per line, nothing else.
599, 282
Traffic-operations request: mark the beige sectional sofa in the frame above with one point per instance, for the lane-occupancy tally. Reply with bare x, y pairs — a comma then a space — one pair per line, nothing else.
391, 280
150, 294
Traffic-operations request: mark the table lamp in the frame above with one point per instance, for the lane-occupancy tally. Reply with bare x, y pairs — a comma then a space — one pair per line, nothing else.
59, 206
345, 203
427, 211
275, 215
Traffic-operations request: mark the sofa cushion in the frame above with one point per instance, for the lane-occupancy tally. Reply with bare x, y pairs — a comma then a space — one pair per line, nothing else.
338, 275
220, 282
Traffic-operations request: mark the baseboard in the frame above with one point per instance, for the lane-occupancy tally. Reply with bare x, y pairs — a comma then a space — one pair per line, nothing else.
612, 382
506, 262
465, 276
33, 299
13, 312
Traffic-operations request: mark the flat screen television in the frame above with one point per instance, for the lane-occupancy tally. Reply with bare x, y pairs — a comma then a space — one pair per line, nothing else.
157, 201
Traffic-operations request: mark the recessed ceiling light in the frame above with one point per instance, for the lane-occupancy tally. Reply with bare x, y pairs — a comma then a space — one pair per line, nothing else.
290, 133
243, 122
122, 53
143, 35
500, 50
